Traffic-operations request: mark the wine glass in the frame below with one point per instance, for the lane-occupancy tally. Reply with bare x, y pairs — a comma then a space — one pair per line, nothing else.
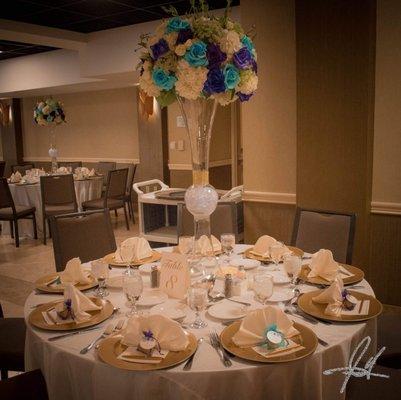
100, 271
276, 252
263, 287
127, 255
132, 288
227, 243
197, 300
293, 265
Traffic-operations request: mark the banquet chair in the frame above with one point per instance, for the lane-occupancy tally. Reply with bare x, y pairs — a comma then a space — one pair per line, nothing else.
87, 235
12, 345
22, 168
12, 213
114, 196
58, 197
72, 164
2, 168
128, 194
30, 385
227, 218
315, 229
103, 168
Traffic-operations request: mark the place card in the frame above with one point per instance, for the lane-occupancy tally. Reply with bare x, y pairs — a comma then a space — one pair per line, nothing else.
174, 275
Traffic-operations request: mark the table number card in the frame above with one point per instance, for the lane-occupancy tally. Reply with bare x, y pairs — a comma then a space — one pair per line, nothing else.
174, 275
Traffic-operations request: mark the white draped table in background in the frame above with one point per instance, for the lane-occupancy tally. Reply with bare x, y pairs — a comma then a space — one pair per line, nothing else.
29, 195
70, 375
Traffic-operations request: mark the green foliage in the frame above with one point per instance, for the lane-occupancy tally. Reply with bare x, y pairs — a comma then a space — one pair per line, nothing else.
166, 98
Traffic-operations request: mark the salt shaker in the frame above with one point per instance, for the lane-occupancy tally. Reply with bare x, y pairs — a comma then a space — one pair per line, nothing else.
154, 277
228, 285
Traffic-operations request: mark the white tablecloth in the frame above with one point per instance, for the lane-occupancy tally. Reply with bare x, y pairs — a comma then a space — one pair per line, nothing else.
70, 375
29, 195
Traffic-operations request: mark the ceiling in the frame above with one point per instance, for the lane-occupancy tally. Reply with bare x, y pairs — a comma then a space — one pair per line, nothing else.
84, 16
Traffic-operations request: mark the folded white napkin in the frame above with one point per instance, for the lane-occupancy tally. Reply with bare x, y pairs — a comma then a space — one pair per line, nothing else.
62, 170
203, 244
261, 323
333, 297
263, 244
80, 304
323, 265
15, 177
74, 273
168, 333
133, 249
92, 172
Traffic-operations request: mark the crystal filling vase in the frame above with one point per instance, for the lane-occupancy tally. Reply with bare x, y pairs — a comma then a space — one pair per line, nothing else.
200, 198
52, 150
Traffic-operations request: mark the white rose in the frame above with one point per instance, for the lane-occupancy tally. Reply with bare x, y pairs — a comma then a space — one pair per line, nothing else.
230, 42
46, 110
190, 81
248, 85
171, 39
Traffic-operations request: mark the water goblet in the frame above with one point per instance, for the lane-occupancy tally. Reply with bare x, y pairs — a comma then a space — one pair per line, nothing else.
100, 271
276, 253
263, 287
132, 288
197, 300
293, 265
227, 243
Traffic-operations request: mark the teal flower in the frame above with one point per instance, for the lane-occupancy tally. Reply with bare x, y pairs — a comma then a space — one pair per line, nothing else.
175, 24
247, 42
162, 79
231, 76
196, 55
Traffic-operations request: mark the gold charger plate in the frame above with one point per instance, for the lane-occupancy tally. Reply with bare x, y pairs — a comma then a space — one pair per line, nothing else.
111, 348
40, 284
156, 256
306, 304
358, 275
307, 339
36, 318
295, 250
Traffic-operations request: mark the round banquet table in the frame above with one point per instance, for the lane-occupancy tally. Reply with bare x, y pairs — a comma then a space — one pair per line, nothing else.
29, 195
70, 375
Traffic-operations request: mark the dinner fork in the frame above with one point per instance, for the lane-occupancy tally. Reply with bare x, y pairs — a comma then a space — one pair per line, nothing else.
107, 332
216, 344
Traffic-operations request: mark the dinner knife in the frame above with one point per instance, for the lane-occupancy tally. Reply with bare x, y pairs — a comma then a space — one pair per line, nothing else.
52, 339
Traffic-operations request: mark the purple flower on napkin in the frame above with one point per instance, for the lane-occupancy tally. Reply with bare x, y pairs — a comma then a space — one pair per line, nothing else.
214, 55
242, 59
159, 48
148, 334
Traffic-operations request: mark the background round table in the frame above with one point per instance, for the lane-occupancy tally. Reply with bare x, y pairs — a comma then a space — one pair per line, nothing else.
70, 375
29, 195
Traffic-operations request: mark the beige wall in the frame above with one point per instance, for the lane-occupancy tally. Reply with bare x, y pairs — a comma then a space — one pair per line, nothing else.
387, 136
101, 125
269, 118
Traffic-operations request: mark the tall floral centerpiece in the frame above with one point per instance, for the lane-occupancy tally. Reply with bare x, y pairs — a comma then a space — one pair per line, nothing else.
201, 61
50, 113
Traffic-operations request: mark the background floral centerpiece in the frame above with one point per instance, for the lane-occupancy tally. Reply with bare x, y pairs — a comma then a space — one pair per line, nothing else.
200, 60
48, 112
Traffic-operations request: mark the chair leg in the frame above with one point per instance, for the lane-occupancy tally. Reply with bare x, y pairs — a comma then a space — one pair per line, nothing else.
132, 211
44, 231
48, 225
129, 209
16, 233
35, 228
115, 213
126, 217
4, 374
12, 229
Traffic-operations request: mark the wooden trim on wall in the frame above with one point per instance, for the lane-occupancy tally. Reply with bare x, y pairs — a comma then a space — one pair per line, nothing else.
188, 167
382, 207
89, 160
269, 197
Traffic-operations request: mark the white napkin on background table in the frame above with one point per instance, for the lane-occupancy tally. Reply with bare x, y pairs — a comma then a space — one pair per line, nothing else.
262, 247
323, 265
133, 249
15, 177
62, 170
74, 273
203, 244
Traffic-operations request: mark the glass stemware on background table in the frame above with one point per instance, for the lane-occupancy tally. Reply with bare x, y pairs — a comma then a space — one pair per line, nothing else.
132, 288
100, 271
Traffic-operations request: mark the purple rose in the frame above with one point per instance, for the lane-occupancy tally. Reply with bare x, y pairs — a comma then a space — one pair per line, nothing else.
254, 66
243, 96
159, 48
242, 59
214, 55
184, 35
215, 81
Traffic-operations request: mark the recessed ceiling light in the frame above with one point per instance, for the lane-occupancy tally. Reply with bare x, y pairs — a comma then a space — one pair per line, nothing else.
1, 51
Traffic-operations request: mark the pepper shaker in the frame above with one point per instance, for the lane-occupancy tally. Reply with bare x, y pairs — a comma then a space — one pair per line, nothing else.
154, 277
228, 285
